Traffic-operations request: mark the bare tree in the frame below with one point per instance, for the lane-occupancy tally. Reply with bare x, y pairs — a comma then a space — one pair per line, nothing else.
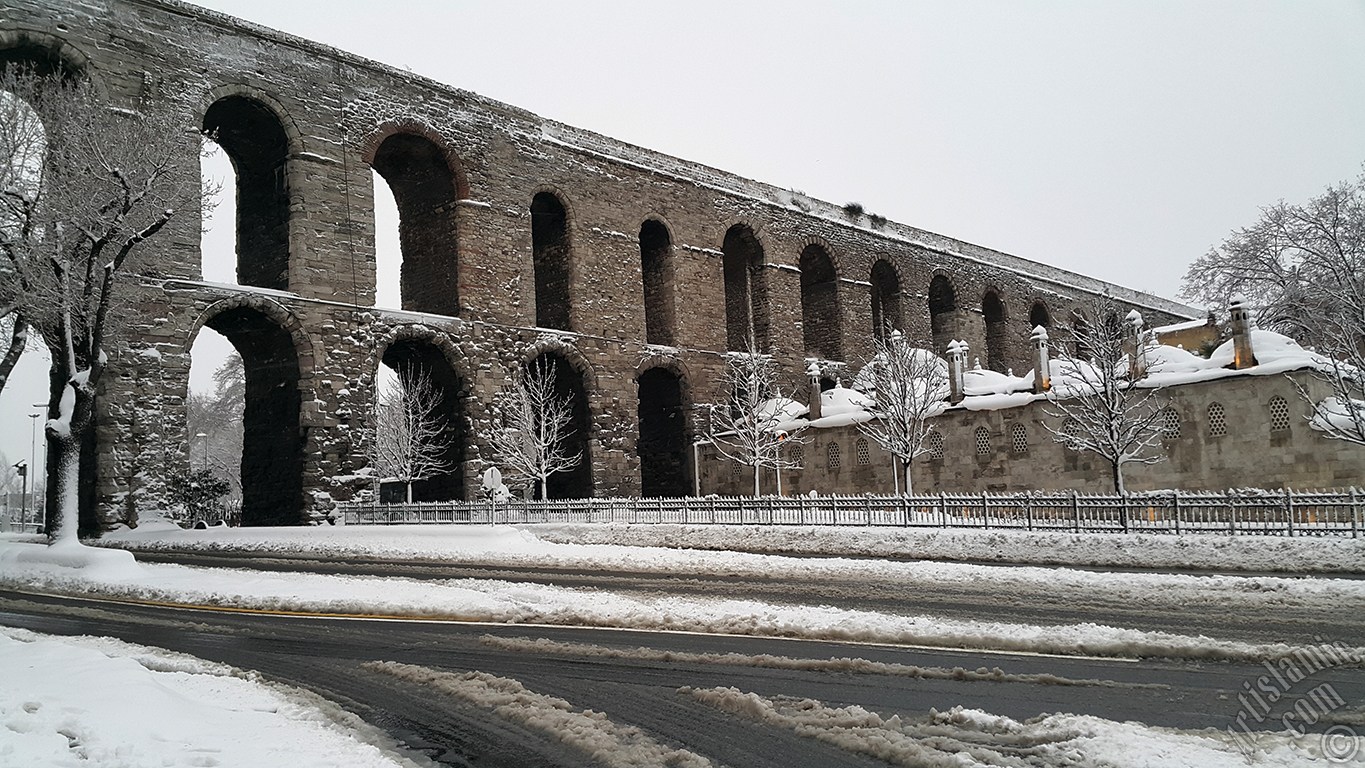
103, 180
751, 425
534, 421
412, 434
1304, 267
1101, 409
909, 386
22, 146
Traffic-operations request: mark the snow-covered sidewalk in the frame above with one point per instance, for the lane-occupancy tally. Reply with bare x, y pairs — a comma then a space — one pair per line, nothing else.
66, 702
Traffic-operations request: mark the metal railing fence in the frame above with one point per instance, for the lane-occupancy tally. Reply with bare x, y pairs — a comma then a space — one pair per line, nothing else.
1277, 512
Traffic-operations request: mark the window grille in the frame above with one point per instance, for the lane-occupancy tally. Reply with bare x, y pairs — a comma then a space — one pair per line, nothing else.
1072, 429
796, 455
1170, 427
864, 453
1018, 439
832, 454
983, 441
935, 440
1279, 414
734, 469
1218, 420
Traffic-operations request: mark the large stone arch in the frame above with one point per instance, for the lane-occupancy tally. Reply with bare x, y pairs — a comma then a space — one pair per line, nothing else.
45, 52
420, 349
574, 379
275, 357
427, 180
661, 413
996, 318
255, 132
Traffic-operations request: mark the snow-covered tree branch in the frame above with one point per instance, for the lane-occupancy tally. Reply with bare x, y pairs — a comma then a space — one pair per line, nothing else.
754, 421
1100, 409
534, 421
83, 186
412, 434
1304, 266
908, 386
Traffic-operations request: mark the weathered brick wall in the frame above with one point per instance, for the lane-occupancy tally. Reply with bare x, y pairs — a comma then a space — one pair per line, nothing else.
465, 170
1248, 447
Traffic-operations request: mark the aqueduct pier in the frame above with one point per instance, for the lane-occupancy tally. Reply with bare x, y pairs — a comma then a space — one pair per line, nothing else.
521, 238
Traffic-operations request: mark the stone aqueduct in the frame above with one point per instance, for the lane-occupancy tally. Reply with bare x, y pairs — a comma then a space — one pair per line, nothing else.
521, 237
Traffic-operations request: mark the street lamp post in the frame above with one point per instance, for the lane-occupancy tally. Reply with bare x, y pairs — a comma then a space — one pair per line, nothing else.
22, 468
203, 436
33, 458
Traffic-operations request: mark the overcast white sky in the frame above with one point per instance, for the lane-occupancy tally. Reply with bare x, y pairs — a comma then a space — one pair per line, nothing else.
1116, 139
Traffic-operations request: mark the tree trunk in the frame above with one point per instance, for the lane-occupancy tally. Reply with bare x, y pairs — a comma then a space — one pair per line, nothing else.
909, 490
63, 521
543, 491
896, 474
408, 490
18, 337
757, 469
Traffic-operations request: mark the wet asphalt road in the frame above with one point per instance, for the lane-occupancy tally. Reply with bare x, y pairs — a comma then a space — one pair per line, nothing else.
327, 657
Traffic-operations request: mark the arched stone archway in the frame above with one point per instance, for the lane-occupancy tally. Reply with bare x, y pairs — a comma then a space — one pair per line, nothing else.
942, 312
993, 312
272, 437
551, 255
820, 322
746, 291
254, 137
575, 483
657, 273
425, 187
886, 300
412, 357
662, 445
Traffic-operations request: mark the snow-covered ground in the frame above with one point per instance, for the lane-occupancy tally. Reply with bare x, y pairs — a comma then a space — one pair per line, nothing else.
112, 573
65, 702
80, 716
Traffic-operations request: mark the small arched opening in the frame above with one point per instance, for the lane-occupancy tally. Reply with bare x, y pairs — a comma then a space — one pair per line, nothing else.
254, 139
993, 312
746, 291
1038, 316
942, 312
550, 256
886, 300
656, 271
820, 324
663, 435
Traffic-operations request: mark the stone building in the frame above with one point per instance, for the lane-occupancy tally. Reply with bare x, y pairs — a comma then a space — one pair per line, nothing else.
522, 238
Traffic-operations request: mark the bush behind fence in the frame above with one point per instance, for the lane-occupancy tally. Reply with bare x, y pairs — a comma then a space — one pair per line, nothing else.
1285, 513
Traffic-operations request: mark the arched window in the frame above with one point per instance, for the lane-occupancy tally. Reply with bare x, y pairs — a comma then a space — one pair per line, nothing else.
424, 189
1018, 438
863, 452
797, 456
983, 441
820, 324
550, 255
1072, 430
1279, 414
1218, 420
942, 312
993, 310
832, 455
1170, 424
656, 270
886, 300
935, 443
253, 136
746, 291
1038, 316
